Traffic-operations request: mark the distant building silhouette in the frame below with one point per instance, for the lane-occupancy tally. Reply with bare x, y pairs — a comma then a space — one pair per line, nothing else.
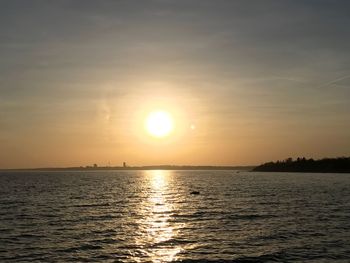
124, 164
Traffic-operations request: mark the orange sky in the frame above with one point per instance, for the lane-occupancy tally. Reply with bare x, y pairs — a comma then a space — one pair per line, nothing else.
259, 82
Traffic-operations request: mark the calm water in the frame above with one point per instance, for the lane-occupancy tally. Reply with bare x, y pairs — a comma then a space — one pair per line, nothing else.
150, 216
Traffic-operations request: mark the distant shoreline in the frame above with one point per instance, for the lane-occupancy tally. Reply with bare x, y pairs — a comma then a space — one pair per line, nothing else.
133, 168
303, 165
299, 165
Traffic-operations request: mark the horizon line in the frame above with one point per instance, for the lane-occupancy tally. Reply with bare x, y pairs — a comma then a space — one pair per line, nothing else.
141, 167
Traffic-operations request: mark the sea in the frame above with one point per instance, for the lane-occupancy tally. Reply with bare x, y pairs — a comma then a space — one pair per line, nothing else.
174, 216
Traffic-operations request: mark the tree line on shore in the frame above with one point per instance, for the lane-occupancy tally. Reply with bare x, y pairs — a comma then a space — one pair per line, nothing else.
301, 164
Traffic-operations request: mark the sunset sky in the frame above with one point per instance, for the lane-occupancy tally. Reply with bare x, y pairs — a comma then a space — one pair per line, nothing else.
244, 82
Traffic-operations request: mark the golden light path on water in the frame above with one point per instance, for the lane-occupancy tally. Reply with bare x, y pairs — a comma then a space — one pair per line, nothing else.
158, 232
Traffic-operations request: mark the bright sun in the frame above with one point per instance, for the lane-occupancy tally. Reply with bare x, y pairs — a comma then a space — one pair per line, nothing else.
159, 124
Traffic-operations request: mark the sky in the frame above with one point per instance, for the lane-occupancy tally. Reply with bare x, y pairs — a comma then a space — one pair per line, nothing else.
245, 82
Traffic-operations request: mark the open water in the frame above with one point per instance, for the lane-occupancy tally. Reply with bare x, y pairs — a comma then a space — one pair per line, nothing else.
151, 216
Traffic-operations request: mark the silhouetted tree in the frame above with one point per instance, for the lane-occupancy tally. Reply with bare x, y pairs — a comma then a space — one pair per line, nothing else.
326, 165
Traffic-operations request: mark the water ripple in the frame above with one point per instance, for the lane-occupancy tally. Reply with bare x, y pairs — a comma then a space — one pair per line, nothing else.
150, 216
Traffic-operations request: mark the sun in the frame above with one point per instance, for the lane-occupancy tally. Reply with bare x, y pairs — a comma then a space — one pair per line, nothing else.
159, 124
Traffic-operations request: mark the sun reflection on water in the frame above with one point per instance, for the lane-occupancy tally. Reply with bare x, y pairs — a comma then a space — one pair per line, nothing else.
158, 232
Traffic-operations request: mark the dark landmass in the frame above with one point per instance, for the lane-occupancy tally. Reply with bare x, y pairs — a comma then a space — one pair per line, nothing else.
326, 165
151, 167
